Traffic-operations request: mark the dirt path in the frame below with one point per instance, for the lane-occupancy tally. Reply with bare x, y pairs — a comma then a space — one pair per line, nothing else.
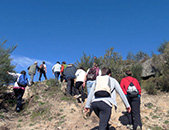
66, 114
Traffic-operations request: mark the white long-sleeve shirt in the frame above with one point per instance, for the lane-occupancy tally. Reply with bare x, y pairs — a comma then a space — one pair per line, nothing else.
56, 68
108, 100
80, 75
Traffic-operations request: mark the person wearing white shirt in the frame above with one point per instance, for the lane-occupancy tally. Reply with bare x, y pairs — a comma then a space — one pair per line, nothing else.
56, 70
80, 75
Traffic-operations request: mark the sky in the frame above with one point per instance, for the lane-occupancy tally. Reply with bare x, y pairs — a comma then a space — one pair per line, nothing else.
61, 30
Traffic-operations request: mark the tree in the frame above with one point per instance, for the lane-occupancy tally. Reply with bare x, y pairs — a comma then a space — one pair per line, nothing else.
85, 61
141, 56
5, 63
162, 47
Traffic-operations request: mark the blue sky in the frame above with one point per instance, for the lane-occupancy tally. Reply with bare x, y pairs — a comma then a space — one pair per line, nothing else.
61, 30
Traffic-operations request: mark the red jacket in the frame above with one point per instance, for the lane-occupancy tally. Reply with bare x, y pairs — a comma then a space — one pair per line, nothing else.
126, 81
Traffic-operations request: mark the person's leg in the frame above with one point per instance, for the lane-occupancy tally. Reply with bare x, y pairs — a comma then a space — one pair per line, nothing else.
89, 85
69, 86
77, 86
129, 114
44, 74
19, 94
40, 76
103, 111
32, 76
136, 113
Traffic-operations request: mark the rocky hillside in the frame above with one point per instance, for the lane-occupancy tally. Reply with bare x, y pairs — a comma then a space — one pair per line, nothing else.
47, 108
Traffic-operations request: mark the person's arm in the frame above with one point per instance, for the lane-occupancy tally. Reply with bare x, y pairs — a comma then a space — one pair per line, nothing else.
16, 75
138, 87
85, 79
122, 85
123, 97
90, 97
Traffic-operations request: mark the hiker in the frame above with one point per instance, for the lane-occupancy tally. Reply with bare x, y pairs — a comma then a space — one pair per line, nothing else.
32, 71
80, 75
102, 96
56, 70
69, 76
43, 70
132, 90
63, 66
19, 87
90, 77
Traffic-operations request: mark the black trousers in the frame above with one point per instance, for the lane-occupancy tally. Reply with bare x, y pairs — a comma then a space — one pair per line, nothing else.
44, 74
19, 94
103, 111
70, 84
134, 115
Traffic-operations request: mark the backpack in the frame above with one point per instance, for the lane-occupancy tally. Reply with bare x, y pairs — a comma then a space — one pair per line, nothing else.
42, 68
22, 81
132, 90
92, 74
102, 88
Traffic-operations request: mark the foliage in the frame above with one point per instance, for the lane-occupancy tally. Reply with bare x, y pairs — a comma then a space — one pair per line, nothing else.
85, 61
113, 60
137, 70
141, 56
5, 64
162, 47
164, 82
150, 86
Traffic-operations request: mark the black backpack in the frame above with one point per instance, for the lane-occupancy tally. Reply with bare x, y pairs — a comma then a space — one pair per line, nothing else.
92, 74
42, 68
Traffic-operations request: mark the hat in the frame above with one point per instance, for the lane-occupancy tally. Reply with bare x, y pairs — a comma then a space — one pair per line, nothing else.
35, 62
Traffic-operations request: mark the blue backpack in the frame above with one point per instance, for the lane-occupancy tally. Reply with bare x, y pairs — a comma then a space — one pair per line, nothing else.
23, 81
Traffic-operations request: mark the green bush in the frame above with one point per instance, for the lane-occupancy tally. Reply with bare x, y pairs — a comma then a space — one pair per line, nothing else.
150, 86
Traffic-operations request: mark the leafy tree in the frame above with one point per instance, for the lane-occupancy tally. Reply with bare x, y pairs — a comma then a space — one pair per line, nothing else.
130, 56
162, 47
141, 56
113, 60
85, 61
5, 63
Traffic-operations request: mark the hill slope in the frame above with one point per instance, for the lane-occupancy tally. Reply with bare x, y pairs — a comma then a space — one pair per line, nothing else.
47, 108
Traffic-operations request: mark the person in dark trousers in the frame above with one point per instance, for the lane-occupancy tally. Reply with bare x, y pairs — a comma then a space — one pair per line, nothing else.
43, 70
69, 76
18, 90
134, 101
100, 101
63, 67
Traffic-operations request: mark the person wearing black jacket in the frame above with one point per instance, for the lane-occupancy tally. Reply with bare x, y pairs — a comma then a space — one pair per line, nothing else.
69, 76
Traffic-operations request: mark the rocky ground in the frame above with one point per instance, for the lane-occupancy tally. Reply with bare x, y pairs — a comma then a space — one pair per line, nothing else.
47, 108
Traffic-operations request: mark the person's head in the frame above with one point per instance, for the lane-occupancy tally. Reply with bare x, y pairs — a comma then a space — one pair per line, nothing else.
43, 62
94, 65
58, 62
23, 72
81, 68
106, 71
35, 62
63, 62
128, 72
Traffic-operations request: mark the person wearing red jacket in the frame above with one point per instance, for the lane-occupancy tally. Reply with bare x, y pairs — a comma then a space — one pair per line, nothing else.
134, 101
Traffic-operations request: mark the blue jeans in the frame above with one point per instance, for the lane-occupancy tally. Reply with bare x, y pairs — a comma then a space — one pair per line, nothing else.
57, 73
89, 85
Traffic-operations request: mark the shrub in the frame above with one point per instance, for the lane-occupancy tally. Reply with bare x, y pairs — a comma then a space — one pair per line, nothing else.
150, 86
